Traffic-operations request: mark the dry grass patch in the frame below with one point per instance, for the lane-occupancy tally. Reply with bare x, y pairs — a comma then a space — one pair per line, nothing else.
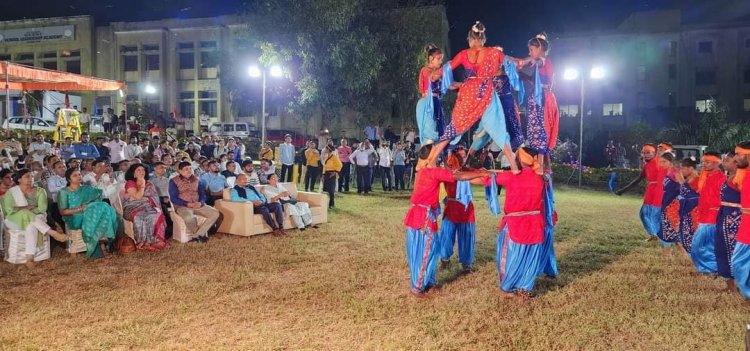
345, 286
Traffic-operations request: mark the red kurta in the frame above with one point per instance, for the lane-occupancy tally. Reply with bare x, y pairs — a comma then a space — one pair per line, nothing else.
474, 96
425, 195
455, 211
710, 197
743, 233
654, 183
523, 193
424, 80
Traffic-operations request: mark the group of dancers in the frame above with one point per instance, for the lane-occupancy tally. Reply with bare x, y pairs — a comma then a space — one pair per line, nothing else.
485, 97
705, 214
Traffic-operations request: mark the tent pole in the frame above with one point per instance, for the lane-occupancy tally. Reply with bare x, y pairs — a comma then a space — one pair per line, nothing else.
7, 98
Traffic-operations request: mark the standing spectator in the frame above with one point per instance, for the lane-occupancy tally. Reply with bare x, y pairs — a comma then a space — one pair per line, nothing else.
84, 150
207, 149
85, 119
323, 137
390, 136
39, 148
331, 168
410, 159
204, 119
215, 183
134, 126
243, 192
133, 150
300, 160
371, 134
121, 120
384, 164
399, 166
188, 123
107, 120
116, 148
312, 161
361, 159
409, 134
610, 152
344, 152
286, 151
188, 195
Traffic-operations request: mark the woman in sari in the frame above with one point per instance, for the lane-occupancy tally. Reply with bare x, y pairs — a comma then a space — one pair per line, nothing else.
728, 222
688, 199
78, 202
298, 210
25, 208
669, 232
141, 205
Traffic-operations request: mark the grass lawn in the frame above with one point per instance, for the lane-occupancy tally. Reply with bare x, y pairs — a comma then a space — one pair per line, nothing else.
345, 286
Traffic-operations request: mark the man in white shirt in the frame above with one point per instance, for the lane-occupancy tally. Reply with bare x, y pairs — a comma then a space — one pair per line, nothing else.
107, 120
100, 179
39, 148
384, 163
361, 158
133, 150
204, 118
286, 151
116, 148
84, 118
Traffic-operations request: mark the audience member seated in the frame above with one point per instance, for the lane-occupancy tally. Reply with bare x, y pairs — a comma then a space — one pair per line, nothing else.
100, 179
215, 183
141, 205
249, 170
188, 195
6, 182
55, 183
299, 211
25, 208
82, 209
243, 192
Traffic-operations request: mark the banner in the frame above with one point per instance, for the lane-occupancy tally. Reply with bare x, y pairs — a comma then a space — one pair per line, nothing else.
37, 35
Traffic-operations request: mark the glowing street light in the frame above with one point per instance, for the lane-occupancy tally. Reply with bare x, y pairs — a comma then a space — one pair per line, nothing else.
597, 72
150, 89
255, 72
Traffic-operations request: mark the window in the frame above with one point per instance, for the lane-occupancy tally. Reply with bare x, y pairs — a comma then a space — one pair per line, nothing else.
229, 127
186, 95
50, 65
672, 71
208, 45
187, 109
185, 46
641, 73
705, 47
128, 49
207, 102
672, 49
612, 109
129, 63
152, 47
672, 100
209, 107
210, 94
241, 127
74, 53
187, 60
705, 77
49, 55
209, 59
73, 66
152, 62
569, 110
746, 104
705, 105
25, 57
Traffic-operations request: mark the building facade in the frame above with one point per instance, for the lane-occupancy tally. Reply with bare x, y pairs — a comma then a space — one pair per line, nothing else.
658, 70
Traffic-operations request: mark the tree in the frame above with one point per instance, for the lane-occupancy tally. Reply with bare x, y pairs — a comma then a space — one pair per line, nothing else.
711, 128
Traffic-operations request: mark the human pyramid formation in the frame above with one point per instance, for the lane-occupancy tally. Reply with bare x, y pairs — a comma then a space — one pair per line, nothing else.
525, 240
704, 214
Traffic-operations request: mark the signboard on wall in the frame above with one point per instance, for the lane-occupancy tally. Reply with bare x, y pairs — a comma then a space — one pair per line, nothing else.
37, 35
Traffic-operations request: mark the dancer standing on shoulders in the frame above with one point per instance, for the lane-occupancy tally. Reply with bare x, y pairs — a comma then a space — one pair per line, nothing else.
435, 79
422, 238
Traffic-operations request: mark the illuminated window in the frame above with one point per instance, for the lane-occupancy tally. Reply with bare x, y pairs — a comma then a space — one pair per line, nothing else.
569, 110
705, 105
612, 110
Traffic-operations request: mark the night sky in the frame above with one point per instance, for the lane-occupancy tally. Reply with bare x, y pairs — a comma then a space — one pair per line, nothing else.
509, 23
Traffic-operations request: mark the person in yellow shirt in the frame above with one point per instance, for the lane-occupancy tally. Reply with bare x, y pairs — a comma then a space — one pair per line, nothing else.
312, 159
266, 153
331, 168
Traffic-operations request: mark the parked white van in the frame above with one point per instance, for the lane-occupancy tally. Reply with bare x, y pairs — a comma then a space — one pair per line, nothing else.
230, 129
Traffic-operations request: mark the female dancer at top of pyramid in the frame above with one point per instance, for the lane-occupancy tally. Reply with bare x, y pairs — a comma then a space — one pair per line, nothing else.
477, 94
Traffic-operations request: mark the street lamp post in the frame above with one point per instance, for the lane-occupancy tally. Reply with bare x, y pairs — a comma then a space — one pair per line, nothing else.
572, 74
255, 72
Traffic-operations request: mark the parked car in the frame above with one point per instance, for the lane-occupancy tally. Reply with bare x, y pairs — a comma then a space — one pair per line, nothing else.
24, 122
230, 129
276, 136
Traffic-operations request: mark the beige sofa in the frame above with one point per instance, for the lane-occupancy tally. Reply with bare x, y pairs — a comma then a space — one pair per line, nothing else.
239, 218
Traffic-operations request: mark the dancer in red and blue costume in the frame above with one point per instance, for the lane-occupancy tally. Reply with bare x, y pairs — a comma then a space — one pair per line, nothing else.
458, 220
435, 79
543, 117
688, 199
422, 238
741, 255
651, 210
703, 252
728, 221
520, 249
669, 231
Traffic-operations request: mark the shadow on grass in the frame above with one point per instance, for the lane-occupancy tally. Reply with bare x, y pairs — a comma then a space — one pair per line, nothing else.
590, 255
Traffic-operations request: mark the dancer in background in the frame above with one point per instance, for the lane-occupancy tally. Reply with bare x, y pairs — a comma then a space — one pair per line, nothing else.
435, 80
542, 112
709, 187
669, 232
728, 221
741, 255
458, 219
422, 238
651, 209
520, 240
688, 199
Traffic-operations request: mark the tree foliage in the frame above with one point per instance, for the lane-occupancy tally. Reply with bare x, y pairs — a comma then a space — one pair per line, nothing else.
712, 129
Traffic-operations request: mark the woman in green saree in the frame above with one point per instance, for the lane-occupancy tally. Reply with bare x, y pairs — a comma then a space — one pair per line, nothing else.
83, 209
